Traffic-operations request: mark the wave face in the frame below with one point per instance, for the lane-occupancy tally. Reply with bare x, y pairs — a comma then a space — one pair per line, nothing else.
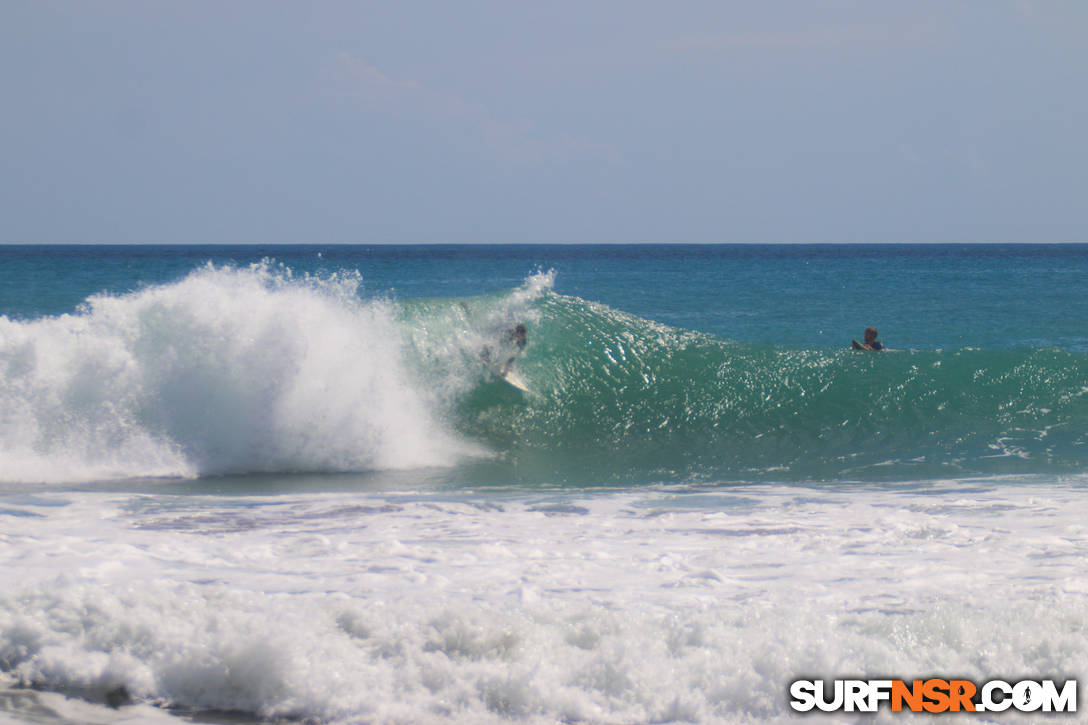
620, 394
252, 369
228, 370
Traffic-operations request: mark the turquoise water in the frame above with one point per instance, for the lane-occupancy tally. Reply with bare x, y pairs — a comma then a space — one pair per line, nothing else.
647, 364
288, 483
793, 296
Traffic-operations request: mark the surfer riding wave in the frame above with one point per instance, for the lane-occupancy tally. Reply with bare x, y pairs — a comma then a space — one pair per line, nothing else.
515, 338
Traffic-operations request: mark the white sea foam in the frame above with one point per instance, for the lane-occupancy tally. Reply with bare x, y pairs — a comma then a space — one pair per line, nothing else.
650, 606
226, 370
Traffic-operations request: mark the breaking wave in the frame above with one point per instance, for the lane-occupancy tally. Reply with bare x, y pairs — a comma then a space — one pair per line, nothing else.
239, 370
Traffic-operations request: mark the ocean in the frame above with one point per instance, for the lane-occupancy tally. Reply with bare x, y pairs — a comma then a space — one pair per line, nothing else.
292, 482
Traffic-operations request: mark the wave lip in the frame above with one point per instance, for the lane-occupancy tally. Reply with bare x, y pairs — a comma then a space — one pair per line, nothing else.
227, 370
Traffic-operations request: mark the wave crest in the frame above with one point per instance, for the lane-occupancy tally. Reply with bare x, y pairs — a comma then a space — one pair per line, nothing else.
227, 370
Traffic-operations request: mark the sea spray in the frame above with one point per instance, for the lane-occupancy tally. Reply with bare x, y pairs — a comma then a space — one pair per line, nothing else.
456, 345
227, 370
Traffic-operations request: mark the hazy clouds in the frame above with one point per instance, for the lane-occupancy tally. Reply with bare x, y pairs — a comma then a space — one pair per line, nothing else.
565, 121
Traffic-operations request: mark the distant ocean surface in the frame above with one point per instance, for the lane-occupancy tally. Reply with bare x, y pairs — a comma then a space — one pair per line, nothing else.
242, 483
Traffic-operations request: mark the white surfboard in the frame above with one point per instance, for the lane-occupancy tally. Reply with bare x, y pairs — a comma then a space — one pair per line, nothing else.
513, 378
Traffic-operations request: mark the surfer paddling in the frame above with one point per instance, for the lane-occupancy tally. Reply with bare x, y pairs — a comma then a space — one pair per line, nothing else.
871, 343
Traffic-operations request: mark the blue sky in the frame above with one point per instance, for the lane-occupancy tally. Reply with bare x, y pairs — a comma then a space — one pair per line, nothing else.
506, 121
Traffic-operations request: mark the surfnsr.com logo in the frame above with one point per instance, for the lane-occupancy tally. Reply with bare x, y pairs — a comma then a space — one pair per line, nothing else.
934, 695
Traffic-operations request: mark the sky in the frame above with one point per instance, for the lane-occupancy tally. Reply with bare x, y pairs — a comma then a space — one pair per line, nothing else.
559, 121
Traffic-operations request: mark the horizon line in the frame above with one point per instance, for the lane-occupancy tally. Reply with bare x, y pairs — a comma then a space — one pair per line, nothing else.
521, 243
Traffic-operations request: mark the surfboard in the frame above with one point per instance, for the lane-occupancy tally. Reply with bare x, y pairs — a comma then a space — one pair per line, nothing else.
511, 377
857, 345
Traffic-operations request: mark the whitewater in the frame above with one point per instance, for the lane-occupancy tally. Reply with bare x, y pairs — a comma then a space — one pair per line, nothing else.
290, 484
